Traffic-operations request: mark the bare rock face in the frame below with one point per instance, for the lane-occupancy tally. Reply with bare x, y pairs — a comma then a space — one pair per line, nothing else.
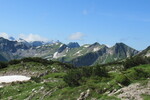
84, 95
132, 92
73, 45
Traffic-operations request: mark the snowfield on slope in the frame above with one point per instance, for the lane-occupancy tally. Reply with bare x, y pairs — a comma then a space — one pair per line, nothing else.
13, 78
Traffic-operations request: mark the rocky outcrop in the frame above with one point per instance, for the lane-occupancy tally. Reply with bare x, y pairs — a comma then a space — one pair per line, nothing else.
132, 92
84, 95
145, 52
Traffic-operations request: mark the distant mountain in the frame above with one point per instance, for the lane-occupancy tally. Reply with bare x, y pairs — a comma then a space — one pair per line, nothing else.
96, 54
11, 46
21, 40
36, 43
11, 39
145, 52
73, 45
85, 55
117, 52
40, 43
88, 55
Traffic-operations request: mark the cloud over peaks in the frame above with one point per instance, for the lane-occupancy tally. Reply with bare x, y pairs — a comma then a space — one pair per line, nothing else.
76, 36
32, 37
28, 37
4, 35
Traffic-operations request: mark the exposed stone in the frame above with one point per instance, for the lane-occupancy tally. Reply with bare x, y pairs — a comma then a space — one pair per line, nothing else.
133, 92
84, 95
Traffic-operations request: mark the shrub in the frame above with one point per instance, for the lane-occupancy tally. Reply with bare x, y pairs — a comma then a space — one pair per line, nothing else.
135, 61
86, 71
36, 79
40, 60
3, 65
138, 73
141, 73
75, 77
99, 71
72, 78
123, 80
13, 62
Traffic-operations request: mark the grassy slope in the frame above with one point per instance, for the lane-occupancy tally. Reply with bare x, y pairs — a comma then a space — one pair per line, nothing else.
52, 86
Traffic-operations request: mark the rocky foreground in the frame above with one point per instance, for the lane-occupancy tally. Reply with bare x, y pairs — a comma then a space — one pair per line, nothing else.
133, 91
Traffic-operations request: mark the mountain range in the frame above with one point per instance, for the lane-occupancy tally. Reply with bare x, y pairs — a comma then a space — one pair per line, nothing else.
85, 55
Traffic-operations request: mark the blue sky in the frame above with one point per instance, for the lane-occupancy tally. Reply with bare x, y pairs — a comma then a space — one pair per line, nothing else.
83, 21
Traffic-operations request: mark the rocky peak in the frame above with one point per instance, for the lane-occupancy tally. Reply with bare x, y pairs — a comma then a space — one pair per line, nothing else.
62, 48
37, 43
94, 44
145, 52
122, 49
73, 45
21, 40
12, 39
11, 46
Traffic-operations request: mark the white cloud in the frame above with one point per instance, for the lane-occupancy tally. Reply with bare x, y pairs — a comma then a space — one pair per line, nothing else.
76, 36
27, 37
32, 37
4, 35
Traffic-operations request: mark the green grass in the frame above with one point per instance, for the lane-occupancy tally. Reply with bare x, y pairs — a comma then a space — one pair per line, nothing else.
55, 75
146, 97
61, 91
18, 88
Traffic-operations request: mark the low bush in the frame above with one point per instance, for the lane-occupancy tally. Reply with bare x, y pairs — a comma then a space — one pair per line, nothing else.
40, 60
138, 73
3, 65
123, 80
135, 61
74, 77
36, 79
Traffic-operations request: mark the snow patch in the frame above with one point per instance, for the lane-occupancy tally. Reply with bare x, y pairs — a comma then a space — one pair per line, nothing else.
67, 49
78, 53
61, 45
86, 46
63, 55
55, 55
96, 49
48, 57
13, 78
56, 43
38, 47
